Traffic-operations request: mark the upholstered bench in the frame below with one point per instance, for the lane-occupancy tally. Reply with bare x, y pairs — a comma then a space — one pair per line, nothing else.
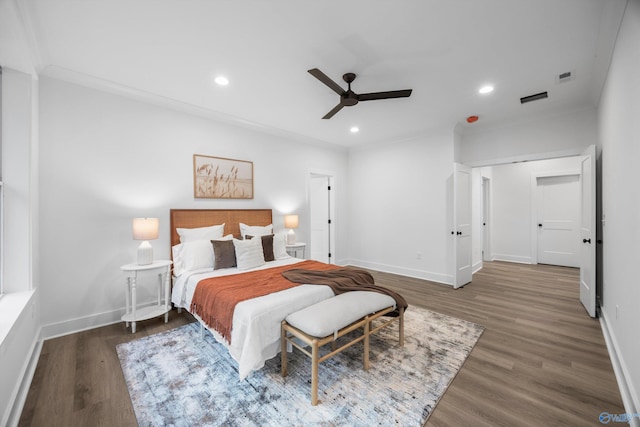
330, 319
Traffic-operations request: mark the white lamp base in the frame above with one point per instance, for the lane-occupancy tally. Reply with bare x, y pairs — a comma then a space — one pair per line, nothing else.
291, 237
145, 253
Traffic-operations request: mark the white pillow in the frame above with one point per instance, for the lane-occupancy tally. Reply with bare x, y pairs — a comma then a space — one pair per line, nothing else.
249, 253
202, 233
255, 230
192, 255
279, 246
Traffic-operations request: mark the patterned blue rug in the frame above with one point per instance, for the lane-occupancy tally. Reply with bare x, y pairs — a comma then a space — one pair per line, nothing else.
177, 379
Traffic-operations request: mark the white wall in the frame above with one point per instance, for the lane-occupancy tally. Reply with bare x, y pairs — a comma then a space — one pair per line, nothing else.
511, 206
399, 213
106, 159
620, 139
554, 136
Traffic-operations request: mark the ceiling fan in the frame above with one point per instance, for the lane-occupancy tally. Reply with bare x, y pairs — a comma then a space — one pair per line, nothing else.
349, 97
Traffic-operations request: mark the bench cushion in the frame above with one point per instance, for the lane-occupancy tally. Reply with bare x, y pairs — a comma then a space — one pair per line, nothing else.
328, 316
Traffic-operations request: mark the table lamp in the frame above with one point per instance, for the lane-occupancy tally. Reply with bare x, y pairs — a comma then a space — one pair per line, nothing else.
145, 229
291, 222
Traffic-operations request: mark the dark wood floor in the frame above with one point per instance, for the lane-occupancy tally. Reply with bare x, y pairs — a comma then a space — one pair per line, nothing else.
540, 362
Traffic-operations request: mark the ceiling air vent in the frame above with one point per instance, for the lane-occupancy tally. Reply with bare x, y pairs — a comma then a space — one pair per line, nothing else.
541, 95
567, 76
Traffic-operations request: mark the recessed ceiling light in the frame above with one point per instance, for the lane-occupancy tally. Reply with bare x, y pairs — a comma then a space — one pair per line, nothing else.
485, 89
354, 129
221, 80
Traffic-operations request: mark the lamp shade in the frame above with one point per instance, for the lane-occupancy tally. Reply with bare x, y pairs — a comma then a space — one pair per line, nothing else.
291, 221
145, 228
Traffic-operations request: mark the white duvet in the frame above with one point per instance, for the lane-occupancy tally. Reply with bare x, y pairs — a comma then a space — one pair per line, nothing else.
255, 333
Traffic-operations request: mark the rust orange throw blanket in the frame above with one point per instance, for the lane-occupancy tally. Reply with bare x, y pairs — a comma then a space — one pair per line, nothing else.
215, 299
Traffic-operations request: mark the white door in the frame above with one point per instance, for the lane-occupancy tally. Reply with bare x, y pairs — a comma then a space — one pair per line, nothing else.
558, 202
320, 210
462, 224
588, 232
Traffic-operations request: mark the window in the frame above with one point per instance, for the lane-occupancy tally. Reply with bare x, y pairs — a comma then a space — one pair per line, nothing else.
1, 200
1, 237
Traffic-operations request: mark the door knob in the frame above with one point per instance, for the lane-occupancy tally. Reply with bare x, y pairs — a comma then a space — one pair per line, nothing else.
539, 225
459, 233
586, 241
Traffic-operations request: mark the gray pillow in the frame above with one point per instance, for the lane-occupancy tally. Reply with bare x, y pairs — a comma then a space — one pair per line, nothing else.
224, 254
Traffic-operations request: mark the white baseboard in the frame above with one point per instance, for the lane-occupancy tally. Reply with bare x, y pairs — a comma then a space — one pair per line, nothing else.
80, 324
25, 383
630, 397
476, 267
513, 258
85, 323
409, 272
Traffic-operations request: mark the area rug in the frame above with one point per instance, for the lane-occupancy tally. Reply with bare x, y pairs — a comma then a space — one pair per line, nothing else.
175, 378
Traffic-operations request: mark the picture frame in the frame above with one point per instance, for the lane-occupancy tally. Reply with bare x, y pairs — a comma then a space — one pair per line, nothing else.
222, 178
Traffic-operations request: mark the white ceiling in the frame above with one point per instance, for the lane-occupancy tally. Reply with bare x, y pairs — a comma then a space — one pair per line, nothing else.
442, 49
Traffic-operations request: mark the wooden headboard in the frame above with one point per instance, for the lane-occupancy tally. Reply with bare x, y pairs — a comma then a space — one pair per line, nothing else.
193, 218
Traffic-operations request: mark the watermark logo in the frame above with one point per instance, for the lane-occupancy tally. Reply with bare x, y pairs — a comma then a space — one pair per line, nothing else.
606, 418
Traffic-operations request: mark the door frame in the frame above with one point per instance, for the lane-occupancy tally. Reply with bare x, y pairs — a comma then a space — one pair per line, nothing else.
331, 175
486, 219
535, 205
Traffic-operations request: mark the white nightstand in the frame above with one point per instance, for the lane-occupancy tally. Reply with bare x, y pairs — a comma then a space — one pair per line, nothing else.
134, 314
293, 249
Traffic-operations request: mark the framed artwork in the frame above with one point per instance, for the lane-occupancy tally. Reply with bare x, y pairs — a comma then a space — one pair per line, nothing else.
220, 178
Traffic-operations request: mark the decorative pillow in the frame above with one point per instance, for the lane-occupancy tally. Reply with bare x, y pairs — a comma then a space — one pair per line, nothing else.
192, 255
202, 233
176, 255
225, 254
267, 246
279, 246
255, 230
248, 253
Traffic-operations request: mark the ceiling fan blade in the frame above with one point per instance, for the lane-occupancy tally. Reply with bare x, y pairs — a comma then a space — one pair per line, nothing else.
326, 80
334, 111
384, 95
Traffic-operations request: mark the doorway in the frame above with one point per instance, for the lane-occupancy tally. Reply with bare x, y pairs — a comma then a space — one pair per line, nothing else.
541, 213
321, 214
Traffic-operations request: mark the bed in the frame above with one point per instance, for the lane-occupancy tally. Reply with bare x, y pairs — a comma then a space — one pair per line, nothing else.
255, 334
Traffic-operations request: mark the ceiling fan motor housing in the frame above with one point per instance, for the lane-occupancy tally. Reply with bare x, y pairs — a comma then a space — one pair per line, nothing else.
349, 98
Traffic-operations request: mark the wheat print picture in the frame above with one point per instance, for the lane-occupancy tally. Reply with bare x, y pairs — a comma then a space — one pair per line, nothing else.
220, 178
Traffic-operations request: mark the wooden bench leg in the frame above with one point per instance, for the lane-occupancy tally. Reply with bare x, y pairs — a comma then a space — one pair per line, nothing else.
366, 343
283, 350
314, 372
401, 332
